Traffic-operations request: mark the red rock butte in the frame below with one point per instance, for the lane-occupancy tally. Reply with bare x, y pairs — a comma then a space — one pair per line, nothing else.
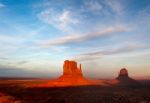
123, 72
72, 76
70, 69
124, 79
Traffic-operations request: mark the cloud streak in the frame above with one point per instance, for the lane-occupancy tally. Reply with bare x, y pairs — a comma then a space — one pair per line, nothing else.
124, 48
59, 19
2, 5
22, 62
93, 6
116, 6
104, 7
75, 38
55, 30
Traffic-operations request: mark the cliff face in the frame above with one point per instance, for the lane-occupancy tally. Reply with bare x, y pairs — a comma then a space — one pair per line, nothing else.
72, 74
70, 68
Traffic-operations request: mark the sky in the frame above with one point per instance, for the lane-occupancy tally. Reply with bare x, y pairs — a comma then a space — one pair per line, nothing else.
36, 36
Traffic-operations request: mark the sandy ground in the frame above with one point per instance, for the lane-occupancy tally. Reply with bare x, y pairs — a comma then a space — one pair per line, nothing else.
24, 91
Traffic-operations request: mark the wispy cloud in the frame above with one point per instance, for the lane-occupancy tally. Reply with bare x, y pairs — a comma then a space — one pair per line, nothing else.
71, 19
2, 5
8, 44
54, 30
123, 48
3, 58
104, 7
75, 38
60, 19
115, 6
6, 38
143, 16
22, 62
93, 6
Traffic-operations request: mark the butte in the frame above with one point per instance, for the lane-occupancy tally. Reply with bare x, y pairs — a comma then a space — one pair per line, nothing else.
124, 79
72, 76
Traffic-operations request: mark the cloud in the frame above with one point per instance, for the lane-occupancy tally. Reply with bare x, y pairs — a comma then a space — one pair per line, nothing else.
143, 17
22, 62
71, 18
87, 57
2, 5
7, 43
3, 58
123, 48
59, 19
21, 39
75, 38
115, 6
5, 38
93, 6
104, 7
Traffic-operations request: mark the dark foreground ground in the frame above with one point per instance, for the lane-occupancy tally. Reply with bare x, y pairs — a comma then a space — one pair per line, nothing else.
13, 92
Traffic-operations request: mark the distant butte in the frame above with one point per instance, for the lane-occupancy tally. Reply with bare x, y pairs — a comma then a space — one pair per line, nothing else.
124, 78
123, 74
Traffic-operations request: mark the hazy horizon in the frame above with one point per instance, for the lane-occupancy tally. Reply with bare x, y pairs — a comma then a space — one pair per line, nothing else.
36, 36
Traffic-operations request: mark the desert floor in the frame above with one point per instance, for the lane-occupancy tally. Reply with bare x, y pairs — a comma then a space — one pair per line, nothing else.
22, 91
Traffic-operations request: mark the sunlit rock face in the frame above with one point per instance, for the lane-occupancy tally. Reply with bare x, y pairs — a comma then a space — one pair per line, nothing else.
124, 78
71, 68
72, 74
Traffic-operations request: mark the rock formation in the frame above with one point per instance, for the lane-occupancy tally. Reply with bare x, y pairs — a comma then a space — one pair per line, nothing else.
123, 74
72, 74
70, 68
124, 78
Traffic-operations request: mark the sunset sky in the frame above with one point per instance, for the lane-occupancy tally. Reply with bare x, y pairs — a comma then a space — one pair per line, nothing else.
36, 36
